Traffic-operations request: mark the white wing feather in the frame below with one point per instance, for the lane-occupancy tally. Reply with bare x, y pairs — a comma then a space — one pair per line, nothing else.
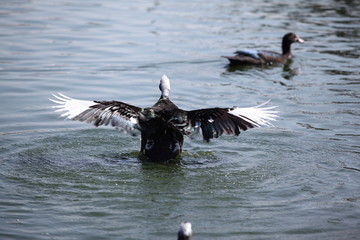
74, 107
70, 106
258, 115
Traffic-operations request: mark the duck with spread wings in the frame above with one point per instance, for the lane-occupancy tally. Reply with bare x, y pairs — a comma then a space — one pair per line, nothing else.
164, 125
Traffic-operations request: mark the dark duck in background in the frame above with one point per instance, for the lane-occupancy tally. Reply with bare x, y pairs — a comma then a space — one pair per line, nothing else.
164, 125
264, 57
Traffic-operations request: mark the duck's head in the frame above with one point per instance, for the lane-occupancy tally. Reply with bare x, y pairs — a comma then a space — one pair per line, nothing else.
292, 38
185, 231
288, 39
164, 87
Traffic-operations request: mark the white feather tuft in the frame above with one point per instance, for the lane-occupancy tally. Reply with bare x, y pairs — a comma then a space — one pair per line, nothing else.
164, 86
258, 115
185, 229
71, 107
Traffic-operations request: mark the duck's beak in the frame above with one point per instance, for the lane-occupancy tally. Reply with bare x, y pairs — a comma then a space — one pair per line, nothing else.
300, 40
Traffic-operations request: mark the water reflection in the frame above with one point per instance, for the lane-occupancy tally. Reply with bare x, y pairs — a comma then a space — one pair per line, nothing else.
155, 6
290, 70
344, 53
231, 68
159, 183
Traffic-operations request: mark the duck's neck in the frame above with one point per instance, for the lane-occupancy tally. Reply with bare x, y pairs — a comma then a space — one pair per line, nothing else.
165, 94
286, 47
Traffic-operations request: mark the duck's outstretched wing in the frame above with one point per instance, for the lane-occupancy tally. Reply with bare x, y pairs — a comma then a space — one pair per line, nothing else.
216, 121
114, 113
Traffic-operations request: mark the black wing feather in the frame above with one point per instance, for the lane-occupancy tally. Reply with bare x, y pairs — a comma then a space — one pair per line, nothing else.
108, 112
216, 121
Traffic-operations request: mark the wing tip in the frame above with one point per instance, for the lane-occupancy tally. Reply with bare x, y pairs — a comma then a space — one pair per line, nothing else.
259, 115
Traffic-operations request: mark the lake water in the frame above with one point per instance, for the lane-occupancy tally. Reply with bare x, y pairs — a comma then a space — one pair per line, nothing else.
61, 179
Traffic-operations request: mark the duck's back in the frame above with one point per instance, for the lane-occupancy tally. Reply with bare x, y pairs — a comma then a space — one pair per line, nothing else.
269, 53
257, 53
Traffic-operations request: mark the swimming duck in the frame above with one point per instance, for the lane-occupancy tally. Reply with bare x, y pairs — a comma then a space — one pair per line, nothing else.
164, 125
264, 57
185, 231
